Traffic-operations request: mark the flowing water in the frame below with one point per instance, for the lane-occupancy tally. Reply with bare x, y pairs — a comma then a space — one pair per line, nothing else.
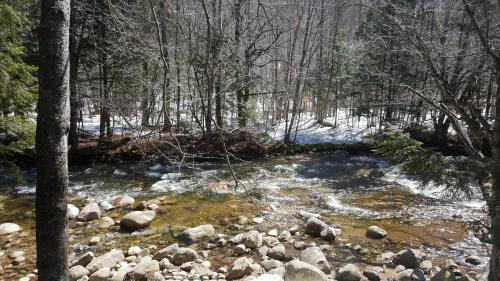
352, 192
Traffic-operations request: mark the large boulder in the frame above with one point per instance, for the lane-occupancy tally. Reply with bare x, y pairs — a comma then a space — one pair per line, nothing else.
110, 259
348, 272
90, 212
375, 232
183, 255
252, 239
196, 234
314, 256
410, 258
8, 228
314, 227
240, 268
167, 252
300, 271
137, 220
410, 275
124, 200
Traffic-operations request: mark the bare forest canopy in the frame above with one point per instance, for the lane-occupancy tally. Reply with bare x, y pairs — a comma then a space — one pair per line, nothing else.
196, 66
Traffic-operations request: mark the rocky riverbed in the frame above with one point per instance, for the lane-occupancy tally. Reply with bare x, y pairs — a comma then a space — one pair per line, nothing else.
309, 217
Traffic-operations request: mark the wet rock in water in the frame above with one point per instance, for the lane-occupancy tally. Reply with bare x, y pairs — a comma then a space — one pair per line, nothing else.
167, 252
410, 258
329, 234
145, 266
369, 173
72, 211
348, 272
9, 228
473, 259
110, 259
444, 275
375, 232
106, 206
77, 272
183, 255
306, 215
373, 273
123, 201
137, 220
106, 222
277, 252
90, 212
240, 268
242, 220
84, 259
196, 234
102, 274
252, 239
314, 256
314, 227
410, 275
94, 240
300, 271
340, 154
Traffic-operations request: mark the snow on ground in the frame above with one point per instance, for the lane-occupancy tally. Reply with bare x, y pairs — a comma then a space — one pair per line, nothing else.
347, 131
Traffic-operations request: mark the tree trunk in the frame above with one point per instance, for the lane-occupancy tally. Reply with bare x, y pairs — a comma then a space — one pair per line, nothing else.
494, 204
145, 98
51, 141
74, 61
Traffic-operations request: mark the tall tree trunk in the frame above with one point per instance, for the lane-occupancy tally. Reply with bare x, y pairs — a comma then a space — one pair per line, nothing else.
208, 71
74, 60
51, 141
241, 107
145, 98
494, 204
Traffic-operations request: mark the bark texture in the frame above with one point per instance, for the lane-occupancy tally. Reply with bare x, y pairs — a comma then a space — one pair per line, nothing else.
51, 141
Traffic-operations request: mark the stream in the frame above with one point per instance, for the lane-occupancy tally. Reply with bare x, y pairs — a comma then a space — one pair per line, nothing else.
352, 192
